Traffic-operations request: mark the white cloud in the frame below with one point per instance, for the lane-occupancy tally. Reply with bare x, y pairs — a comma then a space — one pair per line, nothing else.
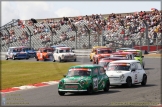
26, 10
67, 12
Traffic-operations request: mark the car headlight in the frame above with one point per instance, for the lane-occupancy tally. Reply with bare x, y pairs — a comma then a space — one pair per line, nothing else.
122, 76
82, 82
61, 83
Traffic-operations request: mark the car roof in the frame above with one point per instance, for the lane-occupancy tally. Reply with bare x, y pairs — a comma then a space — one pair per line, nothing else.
62, 47
86, 66
133, 50
103, 48
121, 53
109, 58
124, 61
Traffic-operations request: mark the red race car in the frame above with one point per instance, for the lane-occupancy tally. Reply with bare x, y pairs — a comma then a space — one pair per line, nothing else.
101, 53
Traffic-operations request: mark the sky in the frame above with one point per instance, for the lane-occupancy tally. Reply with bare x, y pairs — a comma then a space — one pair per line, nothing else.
26, 10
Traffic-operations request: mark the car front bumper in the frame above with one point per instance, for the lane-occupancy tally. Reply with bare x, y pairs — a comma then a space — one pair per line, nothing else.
72, 90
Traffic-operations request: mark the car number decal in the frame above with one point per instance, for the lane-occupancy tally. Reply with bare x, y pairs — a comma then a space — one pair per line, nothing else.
135, 80
95, 83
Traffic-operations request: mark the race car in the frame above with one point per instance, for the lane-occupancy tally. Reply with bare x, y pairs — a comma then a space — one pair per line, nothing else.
126, 72
122, 49
64, 54
44, 53
31, 52
105, 61
16, 53
137, 56
84, 78
127, 55
93, 51
101, 53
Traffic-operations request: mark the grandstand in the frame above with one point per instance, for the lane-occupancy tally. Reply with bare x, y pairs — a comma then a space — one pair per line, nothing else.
117, 30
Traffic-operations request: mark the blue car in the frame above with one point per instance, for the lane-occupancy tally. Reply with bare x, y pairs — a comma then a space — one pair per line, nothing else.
16, 53
30, 51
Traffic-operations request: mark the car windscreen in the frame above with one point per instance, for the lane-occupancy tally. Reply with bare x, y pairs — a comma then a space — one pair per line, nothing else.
79, 72
135, 53
64, 51
103, 64
104, 51
47, 50
118, 66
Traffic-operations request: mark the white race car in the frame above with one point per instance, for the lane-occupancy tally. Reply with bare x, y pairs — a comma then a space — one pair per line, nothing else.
63, 54
126, 72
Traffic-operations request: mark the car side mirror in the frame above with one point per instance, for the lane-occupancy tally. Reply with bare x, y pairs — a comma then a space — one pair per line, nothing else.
64, 75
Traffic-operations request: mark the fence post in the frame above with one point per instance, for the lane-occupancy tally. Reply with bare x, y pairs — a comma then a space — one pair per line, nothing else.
148, 40
156, 44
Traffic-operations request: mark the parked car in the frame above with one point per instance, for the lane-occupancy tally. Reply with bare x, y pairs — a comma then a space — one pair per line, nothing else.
105, 61
16, 53
84, 78
44, 53
93, 51
31, 52
64, 54
126, 72
101, 53
137, 56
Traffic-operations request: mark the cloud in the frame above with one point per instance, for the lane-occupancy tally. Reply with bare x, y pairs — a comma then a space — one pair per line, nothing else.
67, 12
26, 10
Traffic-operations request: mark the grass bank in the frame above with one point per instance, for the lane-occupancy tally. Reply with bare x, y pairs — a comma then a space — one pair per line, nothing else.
22, 73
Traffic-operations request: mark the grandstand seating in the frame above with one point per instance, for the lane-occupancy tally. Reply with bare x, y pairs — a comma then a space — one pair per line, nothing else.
109, 35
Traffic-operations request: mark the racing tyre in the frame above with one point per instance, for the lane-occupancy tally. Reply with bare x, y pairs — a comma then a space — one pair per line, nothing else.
6, 57
44, 59
129, 82
90, 89
13, 57
53, 59
59, 59
61, 93
144, 80
97, 61
90, 59
74, 60
94, 61
107, 86
36, 58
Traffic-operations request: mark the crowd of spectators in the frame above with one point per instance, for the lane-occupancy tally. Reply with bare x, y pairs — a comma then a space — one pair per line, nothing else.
115, 25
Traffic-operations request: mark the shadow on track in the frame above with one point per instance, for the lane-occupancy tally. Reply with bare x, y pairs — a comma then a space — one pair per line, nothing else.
133, 86
95, 93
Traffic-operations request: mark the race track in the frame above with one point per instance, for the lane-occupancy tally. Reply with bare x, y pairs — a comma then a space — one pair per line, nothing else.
147, 95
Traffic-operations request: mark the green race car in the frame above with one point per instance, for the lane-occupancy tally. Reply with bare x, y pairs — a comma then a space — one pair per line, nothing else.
84, 78
137, 56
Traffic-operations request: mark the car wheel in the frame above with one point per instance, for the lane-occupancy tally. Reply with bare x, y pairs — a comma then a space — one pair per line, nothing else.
61, 93
94, 61
59, 59
74, 60
107, 86
144, 80
129, 82
53, 59
90, 59
6, 57
90, 89
97, 61
44, 59
13, 57
36, 58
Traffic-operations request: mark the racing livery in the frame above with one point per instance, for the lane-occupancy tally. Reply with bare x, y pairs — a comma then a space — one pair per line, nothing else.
126, 72
16, 53
63, 54
84, 78
137, 56
101, 53
29, 50
105, 61
44, 53
94, 50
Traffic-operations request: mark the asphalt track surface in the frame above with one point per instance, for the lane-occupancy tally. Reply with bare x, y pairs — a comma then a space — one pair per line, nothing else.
117, 96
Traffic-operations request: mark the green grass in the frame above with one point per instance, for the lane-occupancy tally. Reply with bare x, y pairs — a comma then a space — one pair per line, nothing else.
14, 73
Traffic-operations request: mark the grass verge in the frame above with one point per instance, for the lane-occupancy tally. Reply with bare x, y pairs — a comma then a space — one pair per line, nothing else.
15, 74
